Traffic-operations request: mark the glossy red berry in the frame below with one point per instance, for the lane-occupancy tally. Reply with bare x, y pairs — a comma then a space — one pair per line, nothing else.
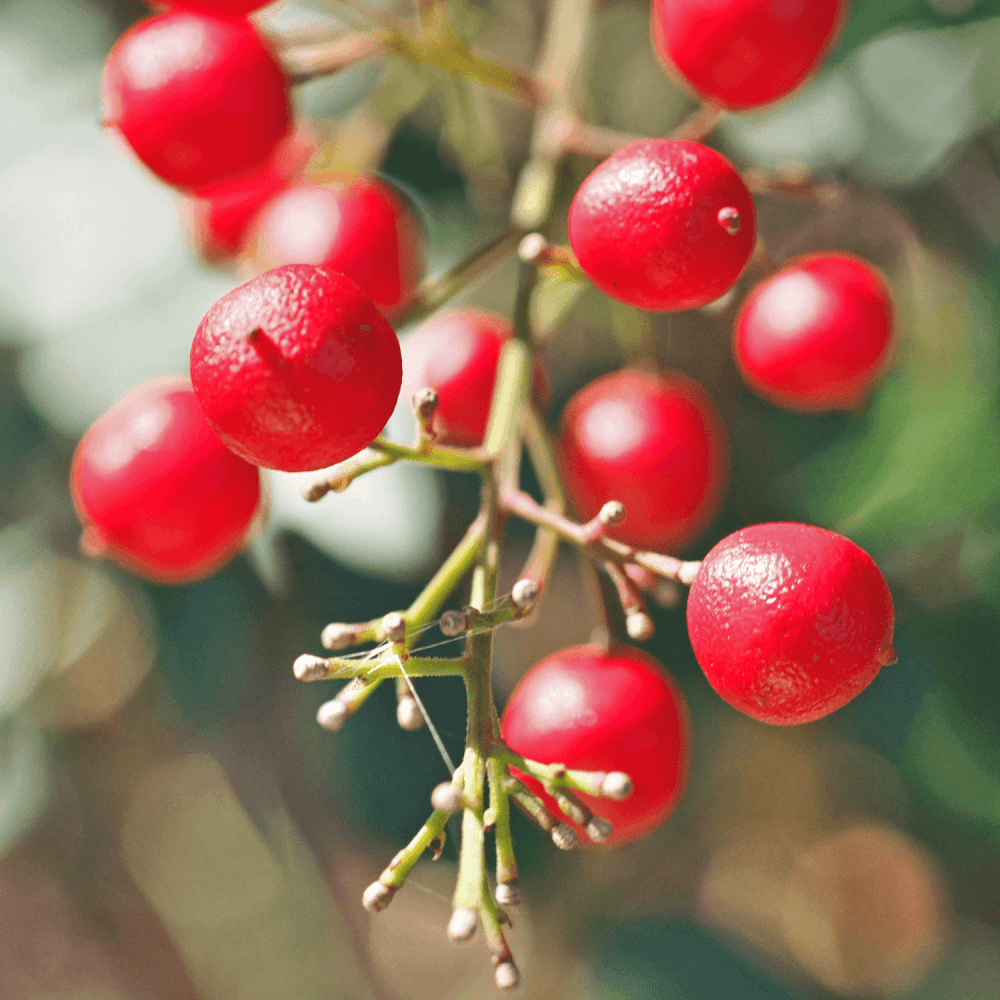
358, 226
456, 353
198, 98
816, 335
296, 369
157, 491
218, 218
605, 711
789, 622
663, 224
744, 53
657, 444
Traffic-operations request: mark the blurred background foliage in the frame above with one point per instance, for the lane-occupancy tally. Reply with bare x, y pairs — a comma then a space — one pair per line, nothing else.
172, 822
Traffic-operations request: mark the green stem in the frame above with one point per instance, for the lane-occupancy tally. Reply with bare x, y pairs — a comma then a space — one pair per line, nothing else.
402, 864
500, 806
440, 456
380, 669
552, 775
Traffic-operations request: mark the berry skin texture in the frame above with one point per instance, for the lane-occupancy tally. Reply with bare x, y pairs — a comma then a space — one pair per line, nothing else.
744, 53
296, 370
157, 491
605, 711
649, 225
358, 226
218, 218
789, 622
200, 99
456, 352
655, 443
817, 335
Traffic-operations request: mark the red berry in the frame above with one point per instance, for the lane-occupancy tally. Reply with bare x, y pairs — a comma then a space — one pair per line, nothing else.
744, 53
816, 335
789, 622
456, 353
156, 489
358, 226
654, 225
605, 711
296, 369
657, 444
219, 217
198, 98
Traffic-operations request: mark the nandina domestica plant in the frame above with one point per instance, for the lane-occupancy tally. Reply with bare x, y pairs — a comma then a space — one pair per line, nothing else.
298, 369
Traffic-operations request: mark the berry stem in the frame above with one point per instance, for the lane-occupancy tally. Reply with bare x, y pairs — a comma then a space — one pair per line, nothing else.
309, 60
554, 775
700, 124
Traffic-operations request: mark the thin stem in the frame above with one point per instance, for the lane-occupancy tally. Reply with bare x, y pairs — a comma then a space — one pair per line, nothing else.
435, 292
500, 806
553, 775
342, 668
700, 124
439, 456
402, 864
306, 61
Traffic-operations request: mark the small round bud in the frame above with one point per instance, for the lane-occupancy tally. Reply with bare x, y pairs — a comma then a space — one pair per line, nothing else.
598, 829
616, 785
310, 668
332, 715
454, 623
667, 594
462, 925
532, 247
338, 636
408, 714
506, 975
509, 893
394, 627
425, 402
446, 798
612, 513
377, 896
564, 836
639, 626
524, 594
730, 220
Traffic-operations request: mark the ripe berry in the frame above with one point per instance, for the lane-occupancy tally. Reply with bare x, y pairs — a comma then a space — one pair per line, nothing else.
456, 353
605, 711
816, 335
663, 224
789, 622
219, 217
744, 53
198, 98
358, 226
157, 491
296, 369
657, 444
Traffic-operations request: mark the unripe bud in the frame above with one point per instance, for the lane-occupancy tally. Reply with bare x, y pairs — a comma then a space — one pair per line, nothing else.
564, 836
616, 785
454, 623
446, 798
310, 668
524, 594
462, 925
612, 513
394, 627
332, 715
408, 714
598, 829
509, 893
506, 975
425, 403
639, 626
377, 896
532, 247
338, 636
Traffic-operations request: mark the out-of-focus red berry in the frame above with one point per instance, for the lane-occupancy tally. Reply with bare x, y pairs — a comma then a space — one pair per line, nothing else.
358, 226
156, 489
663, 224
296, 369
456, 352
657, 444
789, 621
199, 98
605, 711
744, 53
816, 335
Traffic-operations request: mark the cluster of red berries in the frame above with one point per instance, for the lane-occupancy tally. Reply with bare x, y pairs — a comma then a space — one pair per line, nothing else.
299, 369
